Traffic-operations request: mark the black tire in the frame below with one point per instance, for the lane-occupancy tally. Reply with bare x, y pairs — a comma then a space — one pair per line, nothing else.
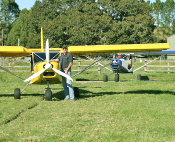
76, 92
139, 77
17, 93
48, 95
116, 78
105, 78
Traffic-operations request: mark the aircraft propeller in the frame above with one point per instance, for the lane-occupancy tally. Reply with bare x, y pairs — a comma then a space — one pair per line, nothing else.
48, 66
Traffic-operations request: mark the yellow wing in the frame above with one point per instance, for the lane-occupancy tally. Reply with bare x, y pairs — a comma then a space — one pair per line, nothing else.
14, 51
17, 51
125, 48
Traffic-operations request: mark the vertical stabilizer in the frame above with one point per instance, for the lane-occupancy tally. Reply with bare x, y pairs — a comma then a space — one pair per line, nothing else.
42, 45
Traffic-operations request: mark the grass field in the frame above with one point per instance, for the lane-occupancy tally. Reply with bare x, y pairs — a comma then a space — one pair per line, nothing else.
129, 110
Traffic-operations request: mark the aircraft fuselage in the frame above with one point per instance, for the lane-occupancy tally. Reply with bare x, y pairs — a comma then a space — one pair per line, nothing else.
48, 75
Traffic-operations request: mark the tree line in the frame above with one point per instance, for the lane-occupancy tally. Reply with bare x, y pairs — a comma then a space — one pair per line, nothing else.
87, 22
164, 16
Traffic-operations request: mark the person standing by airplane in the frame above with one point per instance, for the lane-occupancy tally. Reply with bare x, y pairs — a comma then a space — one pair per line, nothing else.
66, 62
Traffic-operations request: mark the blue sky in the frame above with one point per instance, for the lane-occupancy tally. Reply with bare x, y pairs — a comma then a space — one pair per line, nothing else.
29, 3
25, 3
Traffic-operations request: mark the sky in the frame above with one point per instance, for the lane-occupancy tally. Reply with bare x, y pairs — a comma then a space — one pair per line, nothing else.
29, 3
25, 4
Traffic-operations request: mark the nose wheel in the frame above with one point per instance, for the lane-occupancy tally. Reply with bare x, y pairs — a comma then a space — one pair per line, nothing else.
116, 77
48, 93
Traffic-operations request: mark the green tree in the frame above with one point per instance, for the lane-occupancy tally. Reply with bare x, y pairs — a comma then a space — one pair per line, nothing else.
9, 12
157, 8
20, 30
168, 13
82, 25
27, 27
173, 26
164, 13
133, 17
86, 22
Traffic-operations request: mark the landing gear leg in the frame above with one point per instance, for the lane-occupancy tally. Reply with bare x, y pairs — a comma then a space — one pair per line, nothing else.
116, 77
48, 93
139, 77
105, 78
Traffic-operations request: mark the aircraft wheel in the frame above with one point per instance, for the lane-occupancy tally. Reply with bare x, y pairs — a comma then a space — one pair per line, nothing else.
139, 77
76, 92
17, 93
116, 77
48, 95
105, 78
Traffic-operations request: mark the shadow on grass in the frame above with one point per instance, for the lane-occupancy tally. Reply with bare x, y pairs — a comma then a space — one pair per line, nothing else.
12, 95
59, 95
151, 92
84, 94
89, 94
81, 79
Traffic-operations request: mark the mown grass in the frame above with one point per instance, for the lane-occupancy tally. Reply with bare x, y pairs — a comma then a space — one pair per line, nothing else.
129, 110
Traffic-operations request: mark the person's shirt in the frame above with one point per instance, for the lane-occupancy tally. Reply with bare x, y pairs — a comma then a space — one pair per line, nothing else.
65, 60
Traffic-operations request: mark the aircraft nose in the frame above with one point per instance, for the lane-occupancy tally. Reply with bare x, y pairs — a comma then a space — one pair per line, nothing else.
48, 66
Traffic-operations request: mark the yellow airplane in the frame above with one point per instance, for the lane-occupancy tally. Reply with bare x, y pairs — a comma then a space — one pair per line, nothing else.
45, 71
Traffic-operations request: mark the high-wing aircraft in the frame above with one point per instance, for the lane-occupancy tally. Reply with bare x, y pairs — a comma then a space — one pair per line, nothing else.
123, 63
45, 71
120, 63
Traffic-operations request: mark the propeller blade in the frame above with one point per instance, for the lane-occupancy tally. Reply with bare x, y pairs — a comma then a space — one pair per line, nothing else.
34, 75
62, 74
47, 51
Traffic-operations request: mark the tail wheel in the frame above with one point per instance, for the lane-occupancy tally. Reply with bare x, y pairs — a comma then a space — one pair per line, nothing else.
48, 95
17, 93
105, 78
76, 92
116, 78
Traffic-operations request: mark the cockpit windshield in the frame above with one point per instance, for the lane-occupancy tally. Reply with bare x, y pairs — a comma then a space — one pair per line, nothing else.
41, 56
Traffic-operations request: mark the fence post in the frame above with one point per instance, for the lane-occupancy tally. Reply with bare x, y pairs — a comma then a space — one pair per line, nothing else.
0, 61
79, 64
9, 66
99, 69
168, 67
145, 67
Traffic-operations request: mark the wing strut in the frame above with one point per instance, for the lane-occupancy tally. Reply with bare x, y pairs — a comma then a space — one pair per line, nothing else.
11, 72
146, 64
88, 67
